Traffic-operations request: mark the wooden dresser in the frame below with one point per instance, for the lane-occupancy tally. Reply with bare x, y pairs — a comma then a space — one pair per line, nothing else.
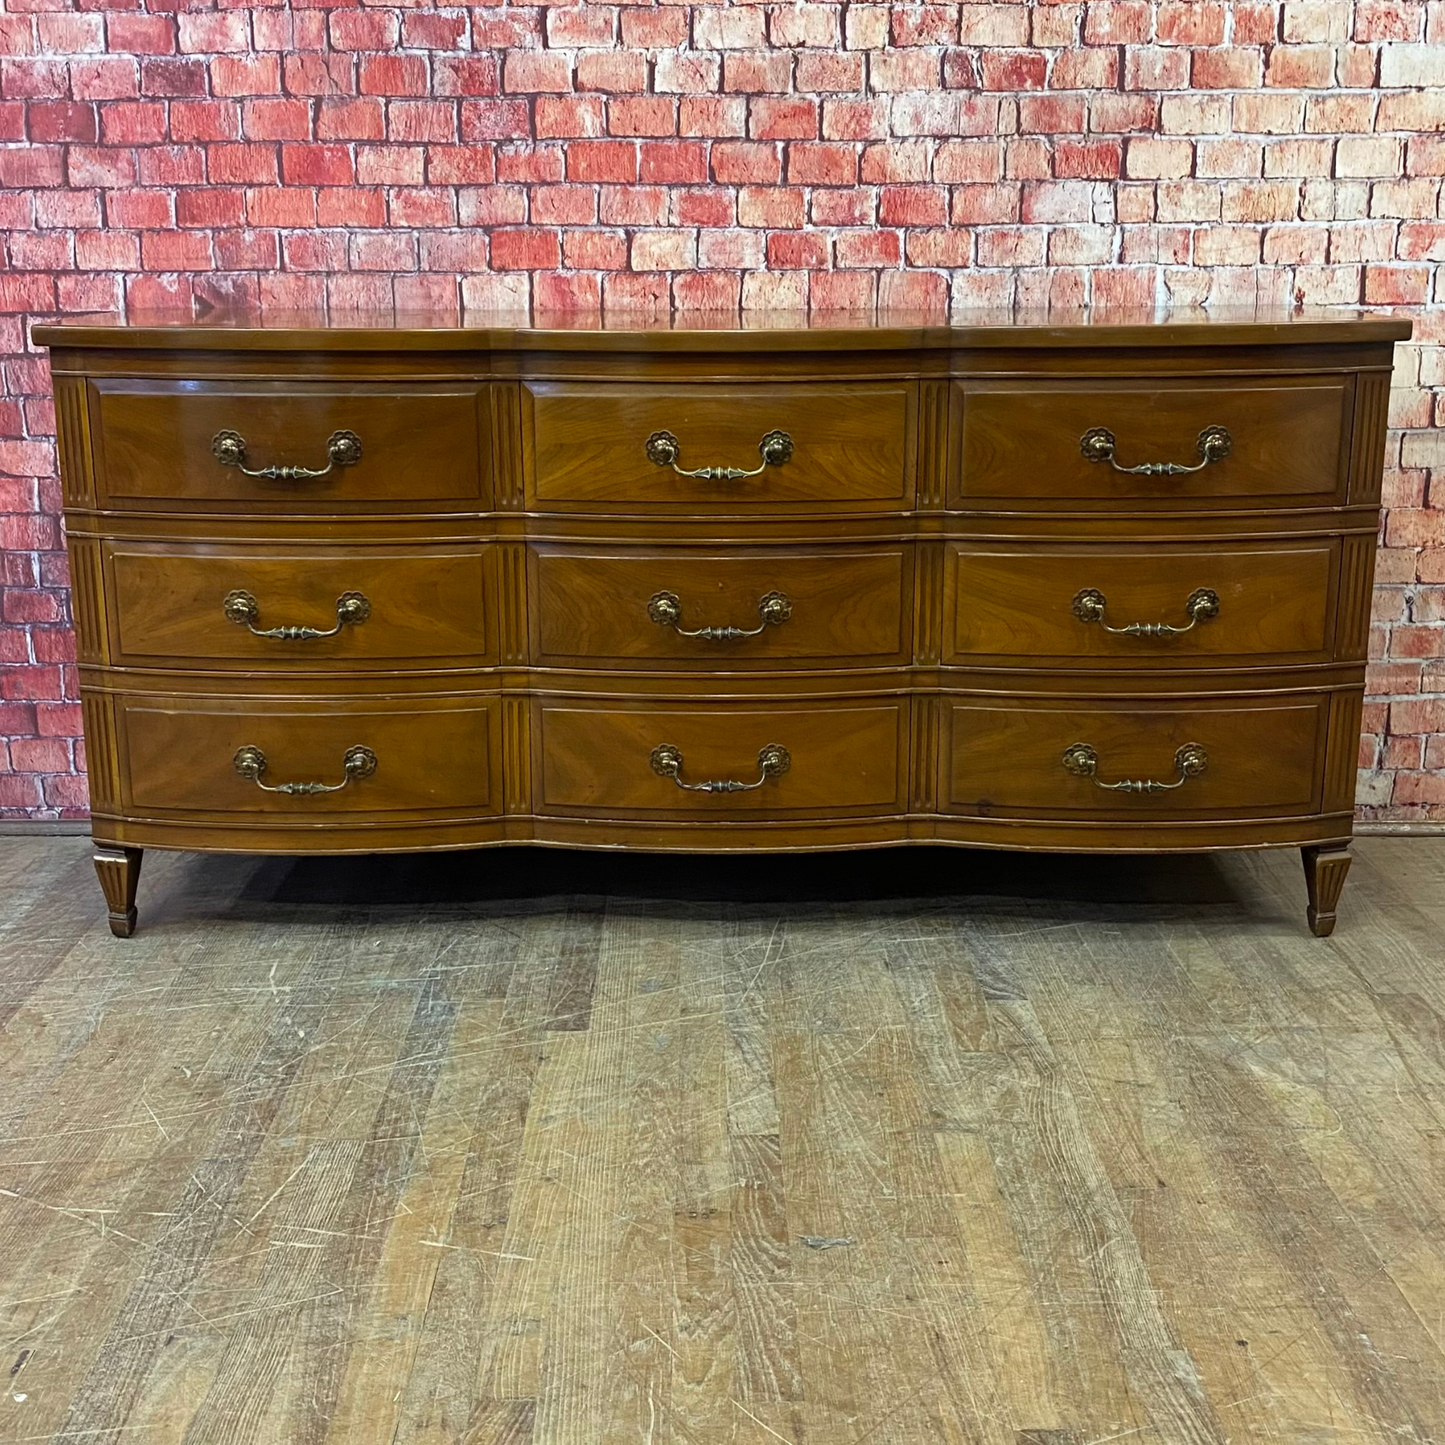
363, 587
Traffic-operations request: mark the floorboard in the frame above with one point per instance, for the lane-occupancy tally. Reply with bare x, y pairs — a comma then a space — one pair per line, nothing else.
526, 1148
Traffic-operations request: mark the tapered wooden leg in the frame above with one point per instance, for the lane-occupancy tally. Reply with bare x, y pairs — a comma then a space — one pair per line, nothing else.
1325, 870
119, 871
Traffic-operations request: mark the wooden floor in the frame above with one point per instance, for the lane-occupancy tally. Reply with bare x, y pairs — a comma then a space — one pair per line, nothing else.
526, 1148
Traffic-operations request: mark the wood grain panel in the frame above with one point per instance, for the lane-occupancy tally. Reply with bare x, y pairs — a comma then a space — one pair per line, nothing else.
435, 757
507, 471
844, 757
590, 606
1005, 757
87, 599
102, 755
428, 605
1357, 575
935, 398
928, 624
1343, 751
1367, 451
853, 445
1021, 441
421, 444
923, 763
1015, 602
517, 753
72, 437
512, 601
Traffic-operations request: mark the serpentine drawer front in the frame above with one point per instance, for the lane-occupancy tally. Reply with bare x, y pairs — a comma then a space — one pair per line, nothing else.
1086, 758
1142, 605
719, 762
301, 607
1022, 583
286, 446
721, 447
747, 608
294, 761
1146, 442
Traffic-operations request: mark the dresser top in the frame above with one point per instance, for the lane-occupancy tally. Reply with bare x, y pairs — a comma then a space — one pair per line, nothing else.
273, 330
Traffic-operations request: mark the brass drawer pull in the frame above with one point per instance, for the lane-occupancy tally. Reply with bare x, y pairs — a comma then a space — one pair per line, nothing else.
1189, 761
358, 763
1214, 444
666, 610
664, 449
773, 761
343, 449
1201, 605
242, 608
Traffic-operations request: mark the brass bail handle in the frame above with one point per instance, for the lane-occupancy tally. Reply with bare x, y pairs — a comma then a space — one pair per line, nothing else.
773, 761
1083, 762
343, 449
665, 609
250, 762
1213, 445
664, 449
241, 607
1200, 605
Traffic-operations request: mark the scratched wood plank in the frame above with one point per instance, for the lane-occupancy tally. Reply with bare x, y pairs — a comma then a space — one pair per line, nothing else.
330, 1154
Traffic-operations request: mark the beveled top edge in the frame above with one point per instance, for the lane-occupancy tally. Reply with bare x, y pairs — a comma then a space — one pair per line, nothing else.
399, 330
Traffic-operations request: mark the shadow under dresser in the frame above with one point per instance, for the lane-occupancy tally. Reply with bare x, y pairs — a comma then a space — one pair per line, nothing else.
377, 587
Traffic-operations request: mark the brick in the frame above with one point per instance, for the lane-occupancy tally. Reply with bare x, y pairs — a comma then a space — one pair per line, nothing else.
1412, 65
642, 115
1156, 68
1293, 67
747, 163
669, 250
798, 250
140, 34
1158, 159
569, 115
1190, 22
316, 165
752, 73
1389, 20
822, 165
913, 206
1014, 70
525, 249
1228, 69
696, 74
795, 119
774, 207
609, 160
616, 73
712, 115
901, 161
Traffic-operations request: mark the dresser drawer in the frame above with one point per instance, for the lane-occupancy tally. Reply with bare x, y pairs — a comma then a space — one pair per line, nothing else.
1047, 758
224, 756
629, 759
843, 446
189, 445
1269, 442
1140, 605
757, 607
197, 605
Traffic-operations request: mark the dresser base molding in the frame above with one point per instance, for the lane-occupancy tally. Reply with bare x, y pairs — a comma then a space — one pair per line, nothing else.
1054, 584
1325, 864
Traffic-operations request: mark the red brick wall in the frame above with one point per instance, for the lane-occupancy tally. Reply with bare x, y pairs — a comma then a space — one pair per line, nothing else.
711, 155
